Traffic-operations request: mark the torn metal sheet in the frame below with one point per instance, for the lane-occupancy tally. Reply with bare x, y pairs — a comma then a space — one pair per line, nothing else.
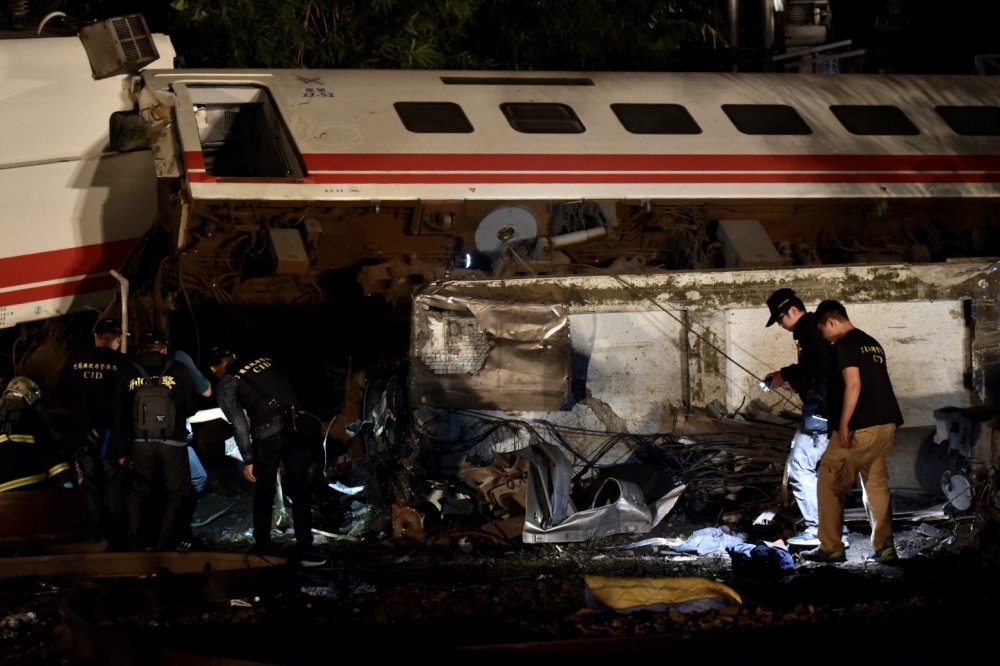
661, 507
654, 542
551, 518
932, 514
482, 353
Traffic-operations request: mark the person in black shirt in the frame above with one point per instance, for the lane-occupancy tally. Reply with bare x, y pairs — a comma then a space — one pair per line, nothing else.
808, 377
159, 445
87, 390
864, 415
258, 388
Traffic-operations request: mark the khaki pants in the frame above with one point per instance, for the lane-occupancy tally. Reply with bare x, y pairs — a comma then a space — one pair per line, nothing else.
837, 471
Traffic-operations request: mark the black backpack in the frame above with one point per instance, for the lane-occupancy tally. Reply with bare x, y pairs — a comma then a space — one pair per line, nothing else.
154, 415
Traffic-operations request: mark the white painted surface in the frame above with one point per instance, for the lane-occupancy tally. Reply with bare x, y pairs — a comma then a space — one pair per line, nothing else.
59, 187
925, 345
50, 105
81, 202
635, 364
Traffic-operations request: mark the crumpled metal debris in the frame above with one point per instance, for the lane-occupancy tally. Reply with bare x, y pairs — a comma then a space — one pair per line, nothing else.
504, 484
551, 516
469, 353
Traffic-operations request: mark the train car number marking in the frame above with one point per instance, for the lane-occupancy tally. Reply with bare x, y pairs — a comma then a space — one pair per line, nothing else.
316, 92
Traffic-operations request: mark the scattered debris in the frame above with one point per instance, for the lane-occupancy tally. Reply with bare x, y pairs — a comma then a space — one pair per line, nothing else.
709, 541
347, 490
928, 530
655, 542
336, 584
760, 561
12, 625
407, 522
618, 506
665, 504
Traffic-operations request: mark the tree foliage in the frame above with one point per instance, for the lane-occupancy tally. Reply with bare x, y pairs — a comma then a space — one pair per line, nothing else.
439, 34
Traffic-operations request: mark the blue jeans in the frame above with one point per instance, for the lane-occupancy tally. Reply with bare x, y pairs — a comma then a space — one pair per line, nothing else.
199, 477
808, 446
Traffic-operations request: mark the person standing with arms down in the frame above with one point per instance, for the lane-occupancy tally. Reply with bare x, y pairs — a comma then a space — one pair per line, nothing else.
807, 377
258, 388
152, 401
864, 415
87, 390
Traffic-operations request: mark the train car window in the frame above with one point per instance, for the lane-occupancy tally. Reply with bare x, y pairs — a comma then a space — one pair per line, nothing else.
655, 119
514, 81
773, 119
971, 120
433, 117
542, 118
874, 120
242, 134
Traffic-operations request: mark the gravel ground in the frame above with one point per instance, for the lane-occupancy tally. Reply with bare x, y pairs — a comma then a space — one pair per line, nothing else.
440, 596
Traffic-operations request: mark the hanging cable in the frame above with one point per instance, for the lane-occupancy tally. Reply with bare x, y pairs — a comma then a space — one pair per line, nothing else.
640, 294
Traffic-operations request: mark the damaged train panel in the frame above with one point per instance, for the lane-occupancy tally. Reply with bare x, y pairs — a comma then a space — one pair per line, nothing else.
665, 343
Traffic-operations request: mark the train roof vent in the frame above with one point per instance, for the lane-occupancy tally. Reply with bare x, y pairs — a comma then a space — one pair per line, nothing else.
542, 118
971, 120
874, 120
516, 81
655, 119
770, 119
118, 45
433, 117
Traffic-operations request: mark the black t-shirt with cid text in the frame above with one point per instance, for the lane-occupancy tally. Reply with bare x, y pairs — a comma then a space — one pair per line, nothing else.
877, 403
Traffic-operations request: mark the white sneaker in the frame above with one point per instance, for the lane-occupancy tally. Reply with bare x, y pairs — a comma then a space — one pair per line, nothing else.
804, 539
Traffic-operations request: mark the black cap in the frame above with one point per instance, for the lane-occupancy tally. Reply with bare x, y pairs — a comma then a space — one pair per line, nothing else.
152, 339
218, 354
108, 326
779, 302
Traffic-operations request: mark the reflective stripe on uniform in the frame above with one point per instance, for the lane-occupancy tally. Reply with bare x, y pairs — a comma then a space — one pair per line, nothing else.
23, 439
25, 481
56, 469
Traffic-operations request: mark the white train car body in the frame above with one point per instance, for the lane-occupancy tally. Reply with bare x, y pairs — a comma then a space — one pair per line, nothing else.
70, 211
352, 143
403, 173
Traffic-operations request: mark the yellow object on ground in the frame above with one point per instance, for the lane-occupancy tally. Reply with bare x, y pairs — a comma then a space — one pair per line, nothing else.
624, 593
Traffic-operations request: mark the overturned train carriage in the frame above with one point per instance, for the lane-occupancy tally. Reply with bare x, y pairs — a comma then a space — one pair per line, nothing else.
285, 187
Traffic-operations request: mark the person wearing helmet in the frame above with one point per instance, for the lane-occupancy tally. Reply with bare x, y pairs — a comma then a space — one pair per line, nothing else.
28, 456
87, 390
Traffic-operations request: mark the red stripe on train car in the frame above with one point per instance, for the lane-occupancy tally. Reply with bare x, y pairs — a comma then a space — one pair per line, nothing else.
617, 178
481, 162
194, 159
87, 285
65, 263
618, 162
